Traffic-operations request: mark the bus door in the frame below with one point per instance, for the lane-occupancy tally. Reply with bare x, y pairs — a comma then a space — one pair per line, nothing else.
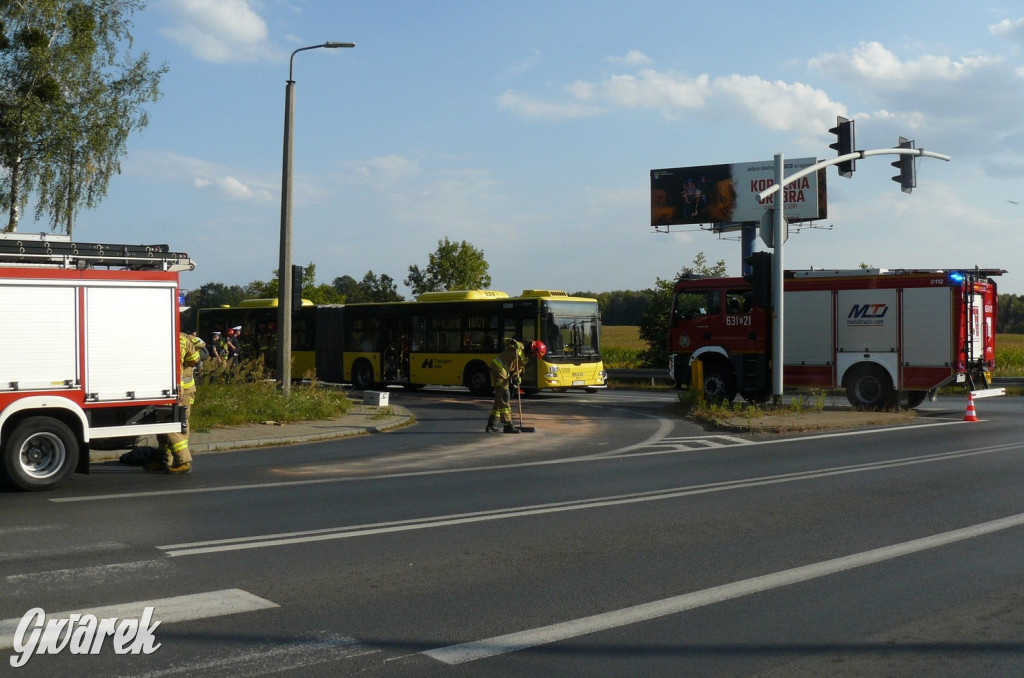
394, 346
524, 330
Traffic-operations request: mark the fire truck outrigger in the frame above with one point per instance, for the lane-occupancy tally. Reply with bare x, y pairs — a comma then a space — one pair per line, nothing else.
888, 337
88, 350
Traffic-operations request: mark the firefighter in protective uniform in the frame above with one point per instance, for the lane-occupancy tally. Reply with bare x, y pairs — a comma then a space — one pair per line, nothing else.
174, 456
506, 369
507, 373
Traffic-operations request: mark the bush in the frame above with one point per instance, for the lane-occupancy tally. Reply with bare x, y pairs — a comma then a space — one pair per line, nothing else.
236, 394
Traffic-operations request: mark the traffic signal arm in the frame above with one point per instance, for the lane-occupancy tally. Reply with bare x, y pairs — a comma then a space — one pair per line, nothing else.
855, 155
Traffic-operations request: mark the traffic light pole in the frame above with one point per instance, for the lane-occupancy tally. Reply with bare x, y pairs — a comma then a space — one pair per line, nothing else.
779, 235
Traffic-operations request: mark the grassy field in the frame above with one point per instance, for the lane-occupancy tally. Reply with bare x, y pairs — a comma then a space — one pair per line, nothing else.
1009, 355
620, 346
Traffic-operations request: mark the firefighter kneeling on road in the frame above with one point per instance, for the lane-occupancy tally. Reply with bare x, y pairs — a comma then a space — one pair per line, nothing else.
174, 456
507, 372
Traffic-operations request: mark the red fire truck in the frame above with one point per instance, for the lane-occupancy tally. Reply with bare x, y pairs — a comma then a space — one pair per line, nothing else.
88, 351
887, 337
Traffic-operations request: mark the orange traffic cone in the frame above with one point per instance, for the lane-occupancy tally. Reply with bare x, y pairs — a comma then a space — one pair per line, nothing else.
971, 414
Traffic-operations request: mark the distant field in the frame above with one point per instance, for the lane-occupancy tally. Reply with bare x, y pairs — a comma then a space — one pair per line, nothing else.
626, 336
1009, 355
621, 346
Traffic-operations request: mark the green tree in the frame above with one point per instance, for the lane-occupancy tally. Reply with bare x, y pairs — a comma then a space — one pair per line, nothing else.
1010, 316
68, 102
619, 307
655, 320
453, 266
318, 294
371, 288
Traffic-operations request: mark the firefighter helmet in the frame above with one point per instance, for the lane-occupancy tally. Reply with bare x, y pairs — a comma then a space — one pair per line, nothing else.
538, 349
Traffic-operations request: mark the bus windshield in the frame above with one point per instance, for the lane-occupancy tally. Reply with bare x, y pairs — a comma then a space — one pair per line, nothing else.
572, 330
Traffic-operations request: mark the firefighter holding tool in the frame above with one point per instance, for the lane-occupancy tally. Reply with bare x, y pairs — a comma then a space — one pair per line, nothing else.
506, 370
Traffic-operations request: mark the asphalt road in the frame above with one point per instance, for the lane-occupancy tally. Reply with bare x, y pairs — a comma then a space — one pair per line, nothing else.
614, 541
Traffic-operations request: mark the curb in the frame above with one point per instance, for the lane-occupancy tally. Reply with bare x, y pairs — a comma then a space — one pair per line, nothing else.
360, 420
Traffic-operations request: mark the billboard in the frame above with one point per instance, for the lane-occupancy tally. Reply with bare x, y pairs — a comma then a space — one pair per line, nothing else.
723, 194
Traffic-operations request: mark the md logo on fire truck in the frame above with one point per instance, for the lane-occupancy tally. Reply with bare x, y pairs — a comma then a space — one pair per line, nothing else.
866, 314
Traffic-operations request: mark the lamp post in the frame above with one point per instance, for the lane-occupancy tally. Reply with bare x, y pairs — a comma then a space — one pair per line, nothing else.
284, 270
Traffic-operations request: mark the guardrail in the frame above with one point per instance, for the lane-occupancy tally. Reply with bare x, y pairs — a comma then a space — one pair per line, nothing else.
653, 374
658, 375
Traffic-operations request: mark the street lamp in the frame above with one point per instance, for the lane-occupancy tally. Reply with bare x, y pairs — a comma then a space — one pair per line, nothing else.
284, 270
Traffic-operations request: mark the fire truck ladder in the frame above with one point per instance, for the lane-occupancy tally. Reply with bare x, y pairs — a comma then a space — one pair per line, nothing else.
18, 249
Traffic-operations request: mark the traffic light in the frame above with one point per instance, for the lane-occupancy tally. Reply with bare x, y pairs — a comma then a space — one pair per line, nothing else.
760, 277
907, 177
297, 272
844, 144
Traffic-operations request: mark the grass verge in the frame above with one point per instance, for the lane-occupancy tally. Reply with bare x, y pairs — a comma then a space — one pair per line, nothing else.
233, 395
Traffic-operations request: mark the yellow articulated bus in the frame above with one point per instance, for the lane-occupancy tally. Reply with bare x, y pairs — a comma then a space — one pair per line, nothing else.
449, 339
258, 335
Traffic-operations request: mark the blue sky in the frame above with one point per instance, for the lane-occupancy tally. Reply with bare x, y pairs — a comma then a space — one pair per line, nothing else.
529, 129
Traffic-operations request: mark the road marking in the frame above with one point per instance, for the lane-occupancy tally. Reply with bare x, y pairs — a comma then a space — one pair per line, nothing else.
522, 640
695, 443
90, 575
167, 610
68, 550
348, 532
271, 659
636, 450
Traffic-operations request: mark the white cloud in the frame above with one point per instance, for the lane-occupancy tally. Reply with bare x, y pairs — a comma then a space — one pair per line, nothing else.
1009, 30
774, 105
230, 188
529, 107
778, 105
204, 176
633, 57
669, 93
219, 30
871, 64
526, 65
970, 104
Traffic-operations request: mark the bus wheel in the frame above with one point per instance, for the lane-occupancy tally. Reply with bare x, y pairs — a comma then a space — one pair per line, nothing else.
40, 454
362, 374
870, 388
478, 380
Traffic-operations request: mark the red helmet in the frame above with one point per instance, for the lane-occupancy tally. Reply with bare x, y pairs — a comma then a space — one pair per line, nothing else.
538, 349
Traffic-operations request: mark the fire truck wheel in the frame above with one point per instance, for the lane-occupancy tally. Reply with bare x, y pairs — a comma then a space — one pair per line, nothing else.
719, 382
870, 388
41, 453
